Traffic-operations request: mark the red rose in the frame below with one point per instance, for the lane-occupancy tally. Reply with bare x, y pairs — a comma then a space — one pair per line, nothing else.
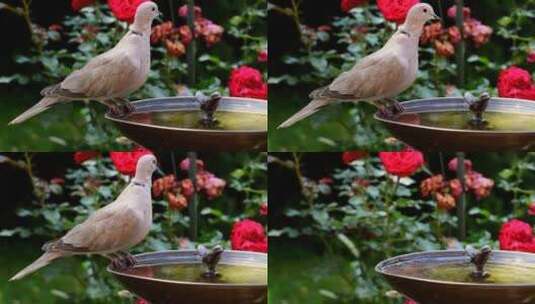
264, 209
517, 235
452, 165
79, 4
452, 12
125, 162
247, 82
124, 10
262, 56
350, 156
396, 10
410, 301
531, 209
82, 156
515, 82
403, 163
347, 5
248, 235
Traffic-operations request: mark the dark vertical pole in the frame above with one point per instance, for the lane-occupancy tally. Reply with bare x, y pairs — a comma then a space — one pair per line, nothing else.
172, 11
192, 47
194, 203
461, 46
461, 204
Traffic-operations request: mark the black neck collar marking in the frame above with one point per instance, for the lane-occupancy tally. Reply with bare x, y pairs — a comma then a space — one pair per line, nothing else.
136, 183
405, 32
137, 33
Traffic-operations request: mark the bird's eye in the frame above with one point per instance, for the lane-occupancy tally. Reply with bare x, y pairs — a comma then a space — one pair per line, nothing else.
153, 9
425, 10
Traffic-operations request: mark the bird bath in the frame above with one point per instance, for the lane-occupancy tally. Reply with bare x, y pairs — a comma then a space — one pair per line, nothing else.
193, 123
458, 124
456, 276
168, 277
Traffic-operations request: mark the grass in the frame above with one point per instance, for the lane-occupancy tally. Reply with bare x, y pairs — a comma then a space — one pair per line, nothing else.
331, 129
298, 273
59, 129
44, 287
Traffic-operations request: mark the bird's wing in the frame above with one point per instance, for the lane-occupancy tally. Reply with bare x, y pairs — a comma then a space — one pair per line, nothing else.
107, 229
374, 76
103, 76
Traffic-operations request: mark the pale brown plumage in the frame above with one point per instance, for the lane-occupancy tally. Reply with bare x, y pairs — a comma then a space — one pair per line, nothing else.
379, 76
113, 228
109, 77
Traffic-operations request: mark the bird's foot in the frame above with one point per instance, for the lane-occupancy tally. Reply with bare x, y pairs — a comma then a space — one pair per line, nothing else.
385, 112
397, 108
118, 263
115, 111
125, 106
130, 260
123, 261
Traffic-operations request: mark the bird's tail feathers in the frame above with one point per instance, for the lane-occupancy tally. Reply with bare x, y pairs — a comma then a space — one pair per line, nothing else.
41, 262
39, 107
305, 112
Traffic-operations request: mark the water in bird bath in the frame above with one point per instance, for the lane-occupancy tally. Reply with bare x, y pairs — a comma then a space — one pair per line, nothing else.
458, 272
460, 120
227, 120
193, 272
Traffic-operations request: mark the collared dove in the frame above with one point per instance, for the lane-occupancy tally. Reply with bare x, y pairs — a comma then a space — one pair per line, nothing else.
110, 230
380, 76
111, 76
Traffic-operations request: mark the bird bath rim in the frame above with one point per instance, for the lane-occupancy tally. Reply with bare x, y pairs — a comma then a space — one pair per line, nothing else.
196, 259
380, 267
142, 106
461, 106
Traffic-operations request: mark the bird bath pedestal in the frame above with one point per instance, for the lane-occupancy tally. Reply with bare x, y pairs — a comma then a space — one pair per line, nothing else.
463, 277
465, 124
197, 123
185, 277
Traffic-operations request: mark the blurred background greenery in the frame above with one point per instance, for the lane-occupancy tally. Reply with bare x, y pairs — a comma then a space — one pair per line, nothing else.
308, 263
26, 66
299, 63
44, 202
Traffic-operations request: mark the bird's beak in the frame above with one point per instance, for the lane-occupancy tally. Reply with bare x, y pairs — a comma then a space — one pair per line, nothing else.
159, 172
436, 17
159, 17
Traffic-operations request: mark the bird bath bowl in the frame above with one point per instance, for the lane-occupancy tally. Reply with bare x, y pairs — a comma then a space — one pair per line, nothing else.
447, 124
169, 277
175, 123
445, 277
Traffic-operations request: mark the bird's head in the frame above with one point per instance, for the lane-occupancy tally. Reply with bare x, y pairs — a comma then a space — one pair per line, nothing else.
146, 165
146, 12
421, 13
